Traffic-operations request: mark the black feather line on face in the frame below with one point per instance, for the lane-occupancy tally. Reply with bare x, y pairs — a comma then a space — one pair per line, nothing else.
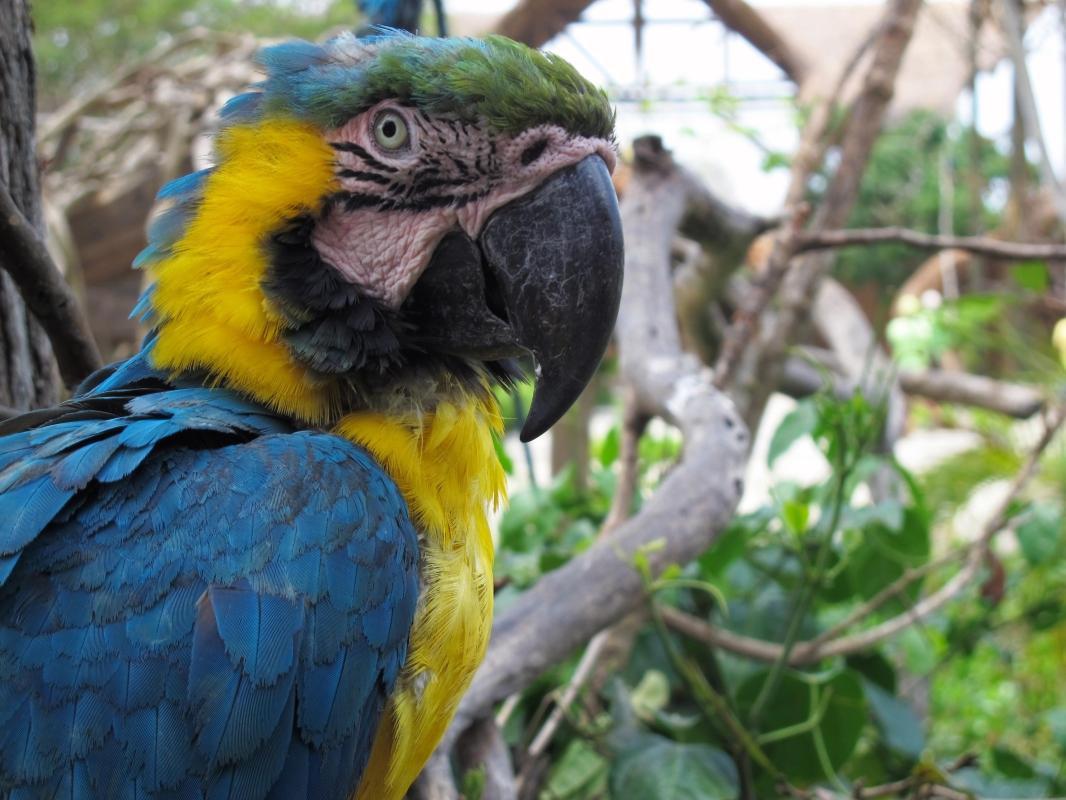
338, 331
332, 327
356, 150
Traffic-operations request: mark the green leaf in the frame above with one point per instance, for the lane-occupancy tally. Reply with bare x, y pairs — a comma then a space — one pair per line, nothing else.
909, 543
981, 785
801, 421
609, 448
899, 725
791, 705
579, 772
1031, 275
874, 668
473, 783
650, 695
888, 513
656, 768
1042, 533
869, 571
795, 515
919, 656
1010, 765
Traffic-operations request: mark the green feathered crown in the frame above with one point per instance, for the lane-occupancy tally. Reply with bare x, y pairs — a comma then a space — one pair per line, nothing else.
507, 84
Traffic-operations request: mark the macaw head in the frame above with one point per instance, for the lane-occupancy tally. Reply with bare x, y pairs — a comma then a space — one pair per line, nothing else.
392, 217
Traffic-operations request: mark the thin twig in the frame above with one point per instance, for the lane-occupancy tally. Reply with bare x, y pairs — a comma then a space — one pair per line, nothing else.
807, 593
890, 592
46, 293
581, 674
746, 318
634, 421
980, 245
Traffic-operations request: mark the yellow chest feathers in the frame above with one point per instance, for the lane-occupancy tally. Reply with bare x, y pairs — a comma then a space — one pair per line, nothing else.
445, 465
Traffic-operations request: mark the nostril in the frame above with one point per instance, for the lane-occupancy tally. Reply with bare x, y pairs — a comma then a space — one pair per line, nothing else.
533, 152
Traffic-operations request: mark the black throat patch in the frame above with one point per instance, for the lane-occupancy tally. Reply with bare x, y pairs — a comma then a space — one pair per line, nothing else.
377, 353
331, 326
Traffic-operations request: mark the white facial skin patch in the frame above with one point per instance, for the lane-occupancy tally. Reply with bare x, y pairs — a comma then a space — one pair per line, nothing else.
395, 205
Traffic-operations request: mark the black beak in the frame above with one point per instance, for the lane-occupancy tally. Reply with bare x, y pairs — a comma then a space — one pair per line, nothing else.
544, 278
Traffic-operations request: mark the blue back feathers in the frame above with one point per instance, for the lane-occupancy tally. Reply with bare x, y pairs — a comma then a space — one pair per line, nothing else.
196, 601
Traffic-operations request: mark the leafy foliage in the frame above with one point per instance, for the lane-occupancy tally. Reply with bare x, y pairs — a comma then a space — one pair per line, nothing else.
680, 719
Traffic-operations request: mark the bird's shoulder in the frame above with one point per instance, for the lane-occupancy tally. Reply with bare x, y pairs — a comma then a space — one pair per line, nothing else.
142, 451
183, 572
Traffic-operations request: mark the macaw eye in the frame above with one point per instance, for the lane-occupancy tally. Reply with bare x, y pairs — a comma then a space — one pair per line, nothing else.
390, 130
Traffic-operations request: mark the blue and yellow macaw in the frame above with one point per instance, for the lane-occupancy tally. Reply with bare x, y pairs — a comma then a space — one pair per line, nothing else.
252, 561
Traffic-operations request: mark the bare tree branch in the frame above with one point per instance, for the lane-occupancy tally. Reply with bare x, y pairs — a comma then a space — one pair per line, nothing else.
801, 379
744, 20
562, 704
28, 374
60, 121
46, 293
980, 245
1012, 399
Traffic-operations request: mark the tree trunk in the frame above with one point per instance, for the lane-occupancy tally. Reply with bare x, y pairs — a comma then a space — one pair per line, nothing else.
28, 377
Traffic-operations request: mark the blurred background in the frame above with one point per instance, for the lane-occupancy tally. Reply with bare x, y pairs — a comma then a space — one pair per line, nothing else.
913, 386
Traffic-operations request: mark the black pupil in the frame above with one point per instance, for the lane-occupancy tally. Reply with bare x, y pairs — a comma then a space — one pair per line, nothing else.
388, 128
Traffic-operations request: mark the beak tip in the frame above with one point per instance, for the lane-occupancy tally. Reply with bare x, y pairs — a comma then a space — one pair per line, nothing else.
535, 426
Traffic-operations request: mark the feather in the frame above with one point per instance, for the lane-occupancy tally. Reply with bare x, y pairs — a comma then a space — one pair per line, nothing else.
28, 509
260, 632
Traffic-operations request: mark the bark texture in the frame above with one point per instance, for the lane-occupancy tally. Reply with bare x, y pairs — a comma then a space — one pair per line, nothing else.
28, 376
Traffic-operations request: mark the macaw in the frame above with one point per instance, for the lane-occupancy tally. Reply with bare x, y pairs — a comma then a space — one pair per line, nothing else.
252, 561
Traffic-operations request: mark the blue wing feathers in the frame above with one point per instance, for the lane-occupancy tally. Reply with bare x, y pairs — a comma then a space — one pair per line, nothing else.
224, 619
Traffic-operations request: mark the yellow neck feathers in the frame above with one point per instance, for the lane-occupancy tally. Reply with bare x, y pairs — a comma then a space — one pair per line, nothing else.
444, 461
445, 465
214, 315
